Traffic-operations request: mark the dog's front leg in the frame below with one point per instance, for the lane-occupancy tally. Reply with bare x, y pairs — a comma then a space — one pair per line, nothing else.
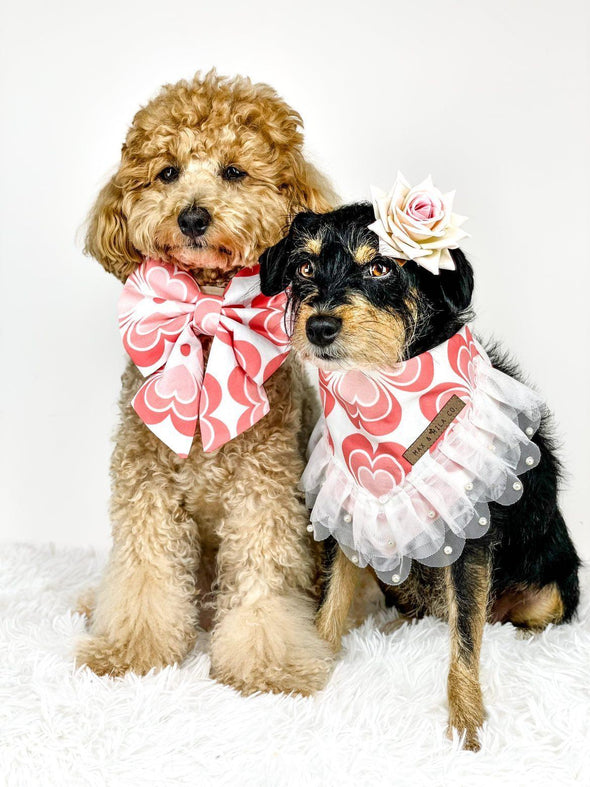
468, 584
265, 638
144, 613
342, 583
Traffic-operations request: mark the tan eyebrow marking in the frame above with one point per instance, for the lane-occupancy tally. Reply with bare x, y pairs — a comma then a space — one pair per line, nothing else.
364, 253
313, 245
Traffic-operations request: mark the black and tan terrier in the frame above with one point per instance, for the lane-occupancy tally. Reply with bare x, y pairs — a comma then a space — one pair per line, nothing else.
351, 308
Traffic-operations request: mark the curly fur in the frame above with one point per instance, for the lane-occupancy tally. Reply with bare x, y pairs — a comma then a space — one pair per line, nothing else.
201, 127
231, 518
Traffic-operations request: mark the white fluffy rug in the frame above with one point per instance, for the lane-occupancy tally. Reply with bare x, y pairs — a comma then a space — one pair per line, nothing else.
380, 721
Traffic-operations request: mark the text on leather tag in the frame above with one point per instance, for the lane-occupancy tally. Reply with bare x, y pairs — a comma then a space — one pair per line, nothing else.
441, 421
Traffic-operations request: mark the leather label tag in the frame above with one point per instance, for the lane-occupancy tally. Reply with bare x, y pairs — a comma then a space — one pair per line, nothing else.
442, 420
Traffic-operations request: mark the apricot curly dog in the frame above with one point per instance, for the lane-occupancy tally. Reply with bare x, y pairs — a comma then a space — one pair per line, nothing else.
211, 173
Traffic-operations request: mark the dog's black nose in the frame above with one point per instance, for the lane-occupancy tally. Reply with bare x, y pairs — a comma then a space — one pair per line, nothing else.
193, 221
322, 329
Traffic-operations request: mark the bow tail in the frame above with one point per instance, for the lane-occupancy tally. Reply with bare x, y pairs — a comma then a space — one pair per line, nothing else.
231, 389
168, 402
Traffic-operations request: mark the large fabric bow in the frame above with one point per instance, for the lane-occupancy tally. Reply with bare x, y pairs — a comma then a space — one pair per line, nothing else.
162, 315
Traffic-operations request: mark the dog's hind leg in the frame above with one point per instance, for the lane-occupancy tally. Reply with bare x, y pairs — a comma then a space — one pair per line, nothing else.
529, 608
536, 565
536, 568
468, 584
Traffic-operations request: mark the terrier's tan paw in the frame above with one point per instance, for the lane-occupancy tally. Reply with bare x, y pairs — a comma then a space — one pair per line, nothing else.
471, 741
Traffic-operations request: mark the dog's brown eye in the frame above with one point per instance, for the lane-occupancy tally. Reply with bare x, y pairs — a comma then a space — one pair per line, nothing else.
378, 269
307, 270
168, 174
233, 173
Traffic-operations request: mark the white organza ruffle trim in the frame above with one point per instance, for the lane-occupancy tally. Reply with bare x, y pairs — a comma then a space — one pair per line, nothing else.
444, 499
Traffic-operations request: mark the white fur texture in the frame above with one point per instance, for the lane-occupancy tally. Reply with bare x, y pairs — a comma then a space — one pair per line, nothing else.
381, 720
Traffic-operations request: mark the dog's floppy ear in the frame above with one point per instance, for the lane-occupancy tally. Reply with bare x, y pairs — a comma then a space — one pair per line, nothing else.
453, 288
274, 264
277, 264
309, 189
457, 285
313, 190
107, 238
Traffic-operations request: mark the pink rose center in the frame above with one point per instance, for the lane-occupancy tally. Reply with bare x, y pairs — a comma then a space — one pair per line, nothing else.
423, 207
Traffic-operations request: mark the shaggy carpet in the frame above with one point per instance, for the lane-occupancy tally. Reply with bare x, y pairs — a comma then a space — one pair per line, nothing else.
380, 721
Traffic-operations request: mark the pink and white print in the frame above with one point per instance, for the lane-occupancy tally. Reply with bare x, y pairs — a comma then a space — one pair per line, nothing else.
385, 511
461, 352
367, 402
368, 410
162, 316
378, 469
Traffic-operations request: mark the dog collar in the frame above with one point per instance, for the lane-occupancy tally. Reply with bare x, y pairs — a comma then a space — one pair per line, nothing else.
404, 461
163, 315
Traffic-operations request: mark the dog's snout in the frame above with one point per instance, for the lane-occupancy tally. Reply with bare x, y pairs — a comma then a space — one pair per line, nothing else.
322, 329
193, 221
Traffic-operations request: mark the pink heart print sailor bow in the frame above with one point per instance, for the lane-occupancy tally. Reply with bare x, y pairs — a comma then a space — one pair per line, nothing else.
163, 313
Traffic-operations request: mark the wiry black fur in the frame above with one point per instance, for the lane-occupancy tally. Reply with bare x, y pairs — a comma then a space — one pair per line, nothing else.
535, 547
528, 543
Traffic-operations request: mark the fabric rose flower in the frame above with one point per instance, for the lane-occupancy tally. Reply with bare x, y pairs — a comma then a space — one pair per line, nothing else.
417, 224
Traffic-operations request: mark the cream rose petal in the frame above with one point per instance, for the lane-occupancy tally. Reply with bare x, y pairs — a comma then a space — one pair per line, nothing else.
425, 185
385, 250
380, 203
411, 224
446, 262
431, 262
458, 221
450, 240
379, 230
420, 231
399, 191
398, 232
394, 246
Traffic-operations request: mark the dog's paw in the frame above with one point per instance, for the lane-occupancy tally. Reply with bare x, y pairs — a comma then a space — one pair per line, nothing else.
271, 646
470, 741
467, 725
105, 658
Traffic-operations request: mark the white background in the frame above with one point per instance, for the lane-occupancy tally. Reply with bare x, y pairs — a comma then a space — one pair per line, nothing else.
490, 97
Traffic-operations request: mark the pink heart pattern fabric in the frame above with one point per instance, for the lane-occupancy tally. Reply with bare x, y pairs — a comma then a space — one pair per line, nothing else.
375, 404
385, 510
163, 315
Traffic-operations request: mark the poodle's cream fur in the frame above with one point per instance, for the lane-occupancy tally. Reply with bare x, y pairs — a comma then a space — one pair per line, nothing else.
231, 519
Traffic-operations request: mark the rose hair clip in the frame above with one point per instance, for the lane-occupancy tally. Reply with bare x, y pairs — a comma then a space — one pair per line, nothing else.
417, 223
